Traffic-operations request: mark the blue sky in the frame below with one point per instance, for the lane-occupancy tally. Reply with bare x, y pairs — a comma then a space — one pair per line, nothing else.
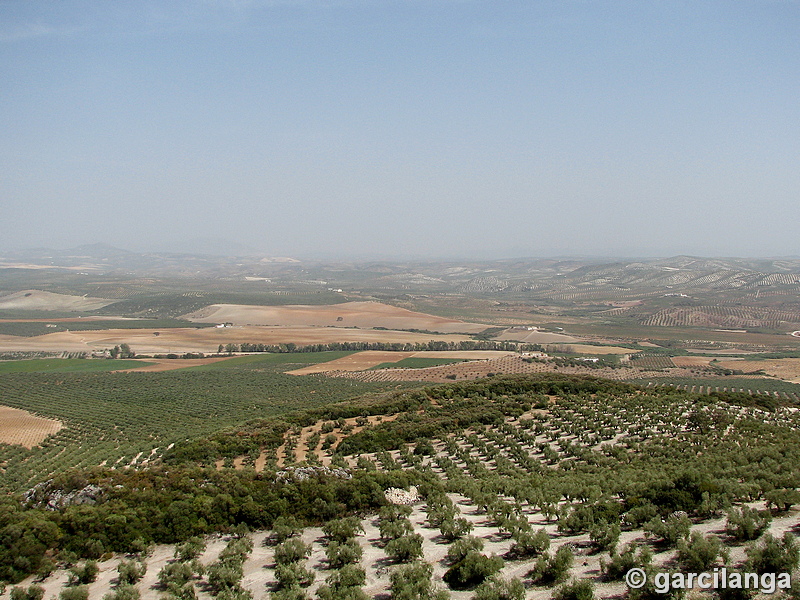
425, 128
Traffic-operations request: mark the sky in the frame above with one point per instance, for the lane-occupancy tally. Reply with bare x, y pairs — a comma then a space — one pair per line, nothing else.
403, 128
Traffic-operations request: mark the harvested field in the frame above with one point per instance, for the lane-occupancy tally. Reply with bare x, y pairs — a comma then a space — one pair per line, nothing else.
354, 362
205, 339
535, 337
787, 369
361, 361
691, 361
69, 319
22, 428
38, 300
348, 314
596, 350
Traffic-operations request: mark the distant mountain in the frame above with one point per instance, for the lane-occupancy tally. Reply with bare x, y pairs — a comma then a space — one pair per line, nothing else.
98, 250
211, 246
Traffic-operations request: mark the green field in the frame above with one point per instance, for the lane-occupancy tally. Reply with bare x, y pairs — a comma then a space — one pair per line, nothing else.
417, 363
111, 418
68, 365
255, 361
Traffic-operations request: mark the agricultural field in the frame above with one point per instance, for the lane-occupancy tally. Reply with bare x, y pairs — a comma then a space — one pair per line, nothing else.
348, 314
532, 484
21, 428
69, 365
130, 418
419, 362
274, 474
207, 339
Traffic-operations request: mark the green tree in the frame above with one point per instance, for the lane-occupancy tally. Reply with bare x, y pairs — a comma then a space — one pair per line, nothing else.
500, 589
577, 589
413, 582
472, 570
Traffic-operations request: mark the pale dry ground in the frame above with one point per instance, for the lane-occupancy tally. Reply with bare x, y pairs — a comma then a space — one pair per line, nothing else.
691, 361
206, 339
720, 351
787, 369
301, 450
535, 337
348, 314
158, 365
597, 350
259, 572
70, 319
37, 267
370, 358
38, 300
22, 428
354, 362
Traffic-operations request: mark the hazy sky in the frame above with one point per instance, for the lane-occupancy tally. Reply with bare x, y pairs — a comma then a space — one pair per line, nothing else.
403, 127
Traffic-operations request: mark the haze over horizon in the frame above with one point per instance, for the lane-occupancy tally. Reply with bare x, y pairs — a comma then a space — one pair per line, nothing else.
438, 128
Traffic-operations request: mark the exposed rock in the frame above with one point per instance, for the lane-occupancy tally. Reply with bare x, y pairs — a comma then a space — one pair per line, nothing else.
303, 473
43, 496
400, 496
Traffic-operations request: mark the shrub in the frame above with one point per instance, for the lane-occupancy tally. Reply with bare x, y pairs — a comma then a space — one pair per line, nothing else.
395, 528
339, 555
290, 551
639, 515
621, 563
340, 530
746, 524
129, 592
460, 548
548, 570
580, 589
33, 592
413, 582
472, 570
782, 498
130, 571
698, 553
453, 529
344, 585
294, 593
648, 590
284, 527
224, 575
527, 543
500, 589
605, 536
83, 574
675, 528
392, 512
80, 592
405, 548
236, 593
175, 576
773, 555
293, 575
190, 549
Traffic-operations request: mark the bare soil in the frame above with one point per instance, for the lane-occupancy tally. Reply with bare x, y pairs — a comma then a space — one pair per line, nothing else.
348, 314
787, 369
38, 300
22, 428
206, 339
